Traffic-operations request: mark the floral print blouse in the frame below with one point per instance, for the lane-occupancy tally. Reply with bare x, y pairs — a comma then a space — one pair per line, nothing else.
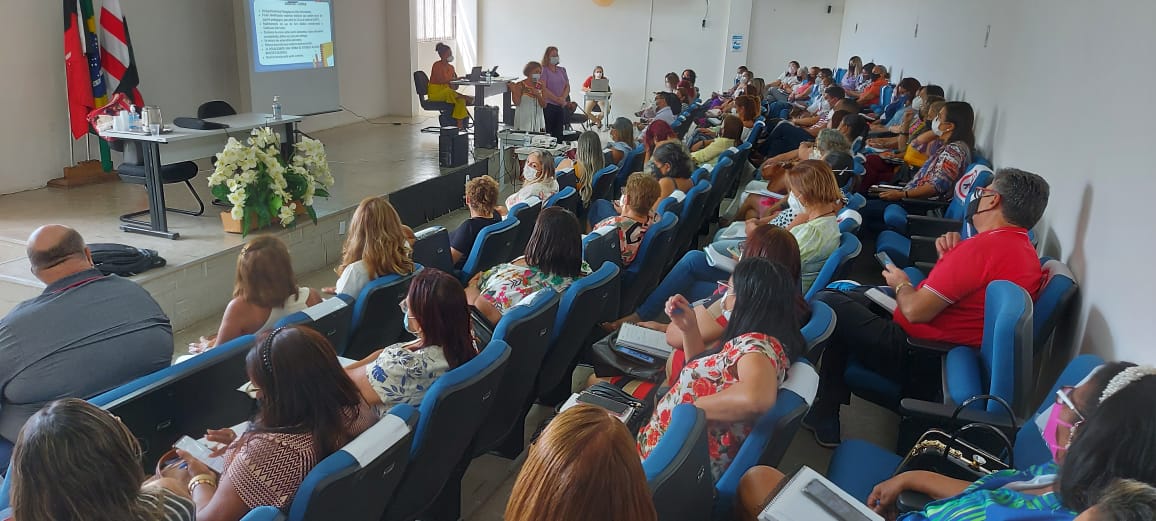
505, 285
709, 375
402, 375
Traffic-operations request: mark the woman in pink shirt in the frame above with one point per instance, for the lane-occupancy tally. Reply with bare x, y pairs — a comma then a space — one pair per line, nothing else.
556, 92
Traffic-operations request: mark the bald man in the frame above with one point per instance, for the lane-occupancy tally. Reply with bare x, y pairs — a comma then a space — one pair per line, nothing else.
87, 333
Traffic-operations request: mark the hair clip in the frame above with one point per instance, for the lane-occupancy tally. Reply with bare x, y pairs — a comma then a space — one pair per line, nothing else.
1125, 378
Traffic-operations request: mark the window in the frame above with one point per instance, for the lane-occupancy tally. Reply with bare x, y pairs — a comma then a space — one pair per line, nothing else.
435, 19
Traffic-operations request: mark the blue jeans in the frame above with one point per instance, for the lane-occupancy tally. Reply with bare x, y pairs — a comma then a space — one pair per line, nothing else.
785, 138
692, 277
780, 109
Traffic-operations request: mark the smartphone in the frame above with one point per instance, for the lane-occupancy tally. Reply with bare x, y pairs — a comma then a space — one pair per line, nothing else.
884, 259
201, 453
637, 355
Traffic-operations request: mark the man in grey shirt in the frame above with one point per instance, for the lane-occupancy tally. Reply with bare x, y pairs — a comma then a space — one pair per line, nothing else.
87, 333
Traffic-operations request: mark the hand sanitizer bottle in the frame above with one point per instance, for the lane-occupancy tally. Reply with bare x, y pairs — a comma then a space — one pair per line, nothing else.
277, 107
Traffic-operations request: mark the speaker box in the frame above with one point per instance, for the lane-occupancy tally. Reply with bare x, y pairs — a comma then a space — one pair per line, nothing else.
453, 147
486, 127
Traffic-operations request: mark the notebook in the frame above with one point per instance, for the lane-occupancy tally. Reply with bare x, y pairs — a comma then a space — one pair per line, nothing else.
646, 340
599, 85
808, 496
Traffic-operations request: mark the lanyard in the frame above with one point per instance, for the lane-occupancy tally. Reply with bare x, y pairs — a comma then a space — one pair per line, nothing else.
78, 283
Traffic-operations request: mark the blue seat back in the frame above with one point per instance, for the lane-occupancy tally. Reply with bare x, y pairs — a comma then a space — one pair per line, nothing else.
356, 482
977, 176
526, 213
678, 467
450, 414
839, 73
772, 434
681, 125
743, 155
1030, 448
690, 220
377, 315
837, 264
527, 328
756, 131
604, 181
819, 328
849, 221
589, 301
856, 202
494, 245
721, 178
566, 198
598, 249
885, 94
643, 274
1005, 355
186, 398
332, 318
432, 249
669, 204
631, 163
1059, 291
567, 178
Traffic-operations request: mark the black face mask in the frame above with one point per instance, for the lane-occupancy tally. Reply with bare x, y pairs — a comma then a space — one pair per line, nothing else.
973, 209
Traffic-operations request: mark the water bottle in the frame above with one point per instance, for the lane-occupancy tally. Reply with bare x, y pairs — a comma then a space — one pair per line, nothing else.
277, 107
133, 118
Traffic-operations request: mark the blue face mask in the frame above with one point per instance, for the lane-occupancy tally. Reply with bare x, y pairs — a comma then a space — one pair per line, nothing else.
405, 323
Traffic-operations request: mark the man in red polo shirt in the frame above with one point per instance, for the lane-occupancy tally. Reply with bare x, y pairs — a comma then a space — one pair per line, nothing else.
870, 94
948, 306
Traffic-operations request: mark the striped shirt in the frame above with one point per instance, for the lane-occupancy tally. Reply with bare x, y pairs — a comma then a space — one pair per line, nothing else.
174, 507
993, 497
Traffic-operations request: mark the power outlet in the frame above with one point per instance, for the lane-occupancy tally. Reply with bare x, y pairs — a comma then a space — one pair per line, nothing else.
341, 228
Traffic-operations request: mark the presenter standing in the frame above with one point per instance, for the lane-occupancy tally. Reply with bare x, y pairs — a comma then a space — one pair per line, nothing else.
528, 99
440, 76
556, 92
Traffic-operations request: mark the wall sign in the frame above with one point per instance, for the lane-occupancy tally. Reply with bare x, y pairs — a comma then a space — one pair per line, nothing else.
737, 43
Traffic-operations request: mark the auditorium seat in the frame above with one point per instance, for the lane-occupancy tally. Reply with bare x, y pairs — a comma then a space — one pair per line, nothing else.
527, 328
643, 274
721, 177
526, 213
689, 222
631, 163
849, 221
377, 318
566, 178
924, 217
187, 398
432, 249
567, 198
449, 416
772, 434
604, 183
589, 301
356, 482
818, 329
601, 247
857, 465
332, 318
669, 204
494, 245
837, 264
678, 468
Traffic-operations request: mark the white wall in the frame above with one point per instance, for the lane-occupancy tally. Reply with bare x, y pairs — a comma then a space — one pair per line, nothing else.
186, 54
1093, 150
785, 30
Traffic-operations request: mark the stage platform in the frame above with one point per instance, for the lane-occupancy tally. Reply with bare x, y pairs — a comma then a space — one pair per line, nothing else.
382, 157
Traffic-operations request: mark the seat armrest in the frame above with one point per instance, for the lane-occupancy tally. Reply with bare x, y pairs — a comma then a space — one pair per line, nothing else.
931, 345
911, 501
925, 267
910, 407
930, 226
922, 206
922, 250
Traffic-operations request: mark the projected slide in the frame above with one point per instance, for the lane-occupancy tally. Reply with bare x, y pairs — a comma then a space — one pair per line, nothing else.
292, 34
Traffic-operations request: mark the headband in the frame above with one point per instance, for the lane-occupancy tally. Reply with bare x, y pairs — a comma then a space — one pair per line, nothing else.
1125, 378
266, 348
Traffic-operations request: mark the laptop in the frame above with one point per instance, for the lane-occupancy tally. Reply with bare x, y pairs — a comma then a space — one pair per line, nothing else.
475, 74
600, 85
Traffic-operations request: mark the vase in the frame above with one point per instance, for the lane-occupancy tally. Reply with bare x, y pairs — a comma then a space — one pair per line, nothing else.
300, 209
232, 225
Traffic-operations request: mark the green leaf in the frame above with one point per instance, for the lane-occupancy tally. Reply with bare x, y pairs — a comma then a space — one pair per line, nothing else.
312, 213
220, 192
321, 192
275, 204
245, 224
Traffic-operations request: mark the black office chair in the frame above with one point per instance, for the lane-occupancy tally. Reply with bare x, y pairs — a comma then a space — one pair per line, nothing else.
445, 110
133, 170
215, 109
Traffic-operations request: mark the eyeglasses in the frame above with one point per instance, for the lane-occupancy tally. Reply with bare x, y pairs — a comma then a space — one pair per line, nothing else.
250, 390
725, 284
404, 305
1064, 397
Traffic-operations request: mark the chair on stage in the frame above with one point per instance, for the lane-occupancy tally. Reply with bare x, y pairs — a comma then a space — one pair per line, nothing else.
133, 170
445, 110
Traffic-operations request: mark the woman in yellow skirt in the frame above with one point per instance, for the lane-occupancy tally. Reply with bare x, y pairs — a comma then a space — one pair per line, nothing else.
441, 74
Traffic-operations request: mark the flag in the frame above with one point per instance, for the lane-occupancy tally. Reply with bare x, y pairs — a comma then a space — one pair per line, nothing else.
76, 75
95, 73
117, 58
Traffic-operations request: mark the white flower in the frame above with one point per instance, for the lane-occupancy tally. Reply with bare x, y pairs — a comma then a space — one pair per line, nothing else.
287, 216
237, 212
237, 198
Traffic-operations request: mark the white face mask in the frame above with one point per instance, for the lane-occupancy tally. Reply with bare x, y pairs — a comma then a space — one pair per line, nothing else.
735, 110
935, 127
529, 173
536, 76
554, 60
450, 59
795, 204
917, 103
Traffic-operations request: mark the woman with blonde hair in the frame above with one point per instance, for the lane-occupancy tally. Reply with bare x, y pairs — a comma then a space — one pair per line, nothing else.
538, 179
378, 244
75, 461
265, 291
590, 161
585, 466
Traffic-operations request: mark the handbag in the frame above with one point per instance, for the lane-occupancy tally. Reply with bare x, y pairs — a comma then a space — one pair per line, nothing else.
607, 362
949, 454
641, 411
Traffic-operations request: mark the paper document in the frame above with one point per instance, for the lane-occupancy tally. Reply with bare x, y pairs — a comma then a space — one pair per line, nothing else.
642, 339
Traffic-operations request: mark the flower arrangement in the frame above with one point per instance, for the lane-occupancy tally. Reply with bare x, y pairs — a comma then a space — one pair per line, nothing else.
262, 186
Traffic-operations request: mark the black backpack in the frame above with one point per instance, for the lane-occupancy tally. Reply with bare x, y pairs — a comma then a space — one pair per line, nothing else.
124, 260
